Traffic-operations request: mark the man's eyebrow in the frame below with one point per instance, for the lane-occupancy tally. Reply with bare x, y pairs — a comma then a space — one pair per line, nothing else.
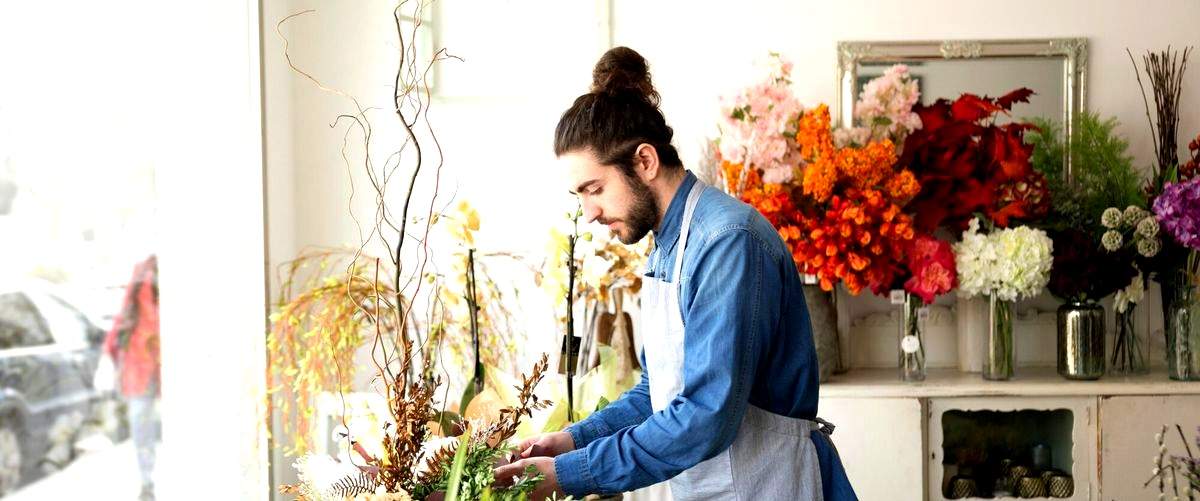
583, 186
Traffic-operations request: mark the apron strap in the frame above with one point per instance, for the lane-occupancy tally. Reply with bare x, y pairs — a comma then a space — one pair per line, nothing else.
688, 209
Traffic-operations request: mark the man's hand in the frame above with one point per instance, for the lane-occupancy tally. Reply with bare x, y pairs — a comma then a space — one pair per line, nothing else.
545, 465
545, 445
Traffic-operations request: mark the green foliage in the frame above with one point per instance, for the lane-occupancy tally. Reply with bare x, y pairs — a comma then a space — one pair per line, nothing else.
472, 473
1102, 174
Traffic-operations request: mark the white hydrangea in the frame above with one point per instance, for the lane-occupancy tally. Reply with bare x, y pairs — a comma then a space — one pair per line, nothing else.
1111, 217
1012, 264
1112, 240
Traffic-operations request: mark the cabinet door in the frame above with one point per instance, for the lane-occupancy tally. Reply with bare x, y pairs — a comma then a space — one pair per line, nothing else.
1127, 445
881, 444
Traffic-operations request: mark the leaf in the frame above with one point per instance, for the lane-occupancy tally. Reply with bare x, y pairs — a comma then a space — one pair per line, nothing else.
456, 469
1017, 96
972, 108
470, 391
448, 421
602, 404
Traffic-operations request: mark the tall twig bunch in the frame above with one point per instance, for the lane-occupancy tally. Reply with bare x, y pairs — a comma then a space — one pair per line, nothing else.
1164, 70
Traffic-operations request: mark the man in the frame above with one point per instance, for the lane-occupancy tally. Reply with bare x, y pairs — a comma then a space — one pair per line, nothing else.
726, 408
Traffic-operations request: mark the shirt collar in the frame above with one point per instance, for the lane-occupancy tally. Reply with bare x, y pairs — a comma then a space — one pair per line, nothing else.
668, 231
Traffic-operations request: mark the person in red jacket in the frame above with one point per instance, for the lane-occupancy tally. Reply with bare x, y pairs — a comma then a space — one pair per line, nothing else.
133, 345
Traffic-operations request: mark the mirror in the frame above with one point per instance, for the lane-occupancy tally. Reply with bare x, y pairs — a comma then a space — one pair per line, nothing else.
1054, 68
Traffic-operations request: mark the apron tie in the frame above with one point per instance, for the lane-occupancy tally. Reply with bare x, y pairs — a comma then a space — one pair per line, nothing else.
825, 426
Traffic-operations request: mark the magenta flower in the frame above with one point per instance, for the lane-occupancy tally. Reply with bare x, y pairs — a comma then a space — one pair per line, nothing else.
1178, 211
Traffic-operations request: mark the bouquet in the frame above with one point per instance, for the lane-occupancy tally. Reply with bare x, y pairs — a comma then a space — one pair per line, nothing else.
757, 130
884, 110
966, 164
1177, 209
930, 264
852, 217
1012, 263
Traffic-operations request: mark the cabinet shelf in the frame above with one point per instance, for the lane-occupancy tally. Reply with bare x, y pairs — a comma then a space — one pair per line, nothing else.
1028, 381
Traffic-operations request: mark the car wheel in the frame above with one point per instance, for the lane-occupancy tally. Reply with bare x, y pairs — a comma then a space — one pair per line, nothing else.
10, 457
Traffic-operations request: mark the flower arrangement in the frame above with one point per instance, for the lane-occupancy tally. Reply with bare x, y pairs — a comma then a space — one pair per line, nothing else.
757, 130
377, 299
1133, 234
1006, 265
591, 271
1012, 263
884, 110
1191, 167
1177, 210
966, 163
931, 264
471, 315
314, 334
853, 219
1083, 271
839, 209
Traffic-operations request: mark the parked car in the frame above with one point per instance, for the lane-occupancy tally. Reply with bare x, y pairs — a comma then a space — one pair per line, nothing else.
48, 356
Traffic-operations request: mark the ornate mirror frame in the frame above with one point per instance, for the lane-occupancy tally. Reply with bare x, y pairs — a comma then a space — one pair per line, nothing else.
1073, 52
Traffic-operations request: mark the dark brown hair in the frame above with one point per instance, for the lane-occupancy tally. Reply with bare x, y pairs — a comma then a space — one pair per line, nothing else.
620, 113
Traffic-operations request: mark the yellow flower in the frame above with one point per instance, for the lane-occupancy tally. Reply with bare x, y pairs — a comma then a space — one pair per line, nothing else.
463, 224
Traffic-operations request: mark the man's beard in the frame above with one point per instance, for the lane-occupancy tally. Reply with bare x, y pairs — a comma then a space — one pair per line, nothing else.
643, 214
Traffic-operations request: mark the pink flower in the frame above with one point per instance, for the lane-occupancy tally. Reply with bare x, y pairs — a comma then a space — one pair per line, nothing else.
931, 262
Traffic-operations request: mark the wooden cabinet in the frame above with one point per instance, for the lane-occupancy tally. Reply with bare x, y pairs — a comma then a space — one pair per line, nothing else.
881, 461
891, 434
1127, 428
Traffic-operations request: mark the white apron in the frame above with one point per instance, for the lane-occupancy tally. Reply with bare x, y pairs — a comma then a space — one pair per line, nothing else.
772, 456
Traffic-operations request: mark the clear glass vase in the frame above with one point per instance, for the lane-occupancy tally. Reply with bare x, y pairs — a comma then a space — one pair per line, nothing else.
998, 354
1128, 355
1183, 330
913, 315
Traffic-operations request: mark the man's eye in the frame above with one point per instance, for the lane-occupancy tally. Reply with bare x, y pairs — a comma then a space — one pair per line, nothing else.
596, 191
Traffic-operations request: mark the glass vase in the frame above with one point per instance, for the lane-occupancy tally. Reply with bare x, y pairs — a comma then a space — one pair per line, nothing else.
913, 316
1081, 340
1183, 330
998, 354
1128, 356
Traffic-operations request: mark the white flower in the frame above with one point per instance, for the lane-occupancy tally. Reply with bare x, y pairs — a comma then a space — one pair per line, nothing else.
1148, 247
1012, 264
1112, 240
318, 473
1132, 215
1111, 218
1131, 294
1148, 227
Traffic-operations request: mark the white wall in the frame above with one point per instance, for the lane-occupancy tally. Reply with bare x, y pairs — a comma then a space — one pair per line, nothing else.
696, 60
210, 179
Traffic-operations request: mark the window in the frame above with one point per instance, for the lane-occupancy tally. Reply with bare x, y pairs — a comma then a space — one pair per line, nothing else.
20, 324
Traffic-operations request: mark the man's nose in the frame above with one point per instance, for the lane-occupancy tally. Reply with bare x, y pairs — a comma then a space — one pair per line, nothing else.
591, 212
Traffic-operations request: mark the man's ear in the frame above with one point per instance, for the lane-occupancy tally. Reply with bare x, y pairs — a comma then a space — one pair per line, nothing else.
645, 162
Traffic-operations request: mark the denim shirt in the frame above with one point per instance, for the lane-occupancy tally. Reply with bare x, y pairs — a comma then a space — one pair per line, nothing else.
747, 340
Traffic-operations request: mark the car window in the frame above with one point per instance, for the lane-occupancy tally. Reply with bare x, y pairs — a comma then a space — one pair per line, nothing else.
20, 324
67, 325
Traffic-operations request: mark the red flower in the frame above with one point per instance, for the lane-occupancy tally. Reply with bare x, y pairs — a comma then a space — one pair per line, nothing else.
931, 262
961, 160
